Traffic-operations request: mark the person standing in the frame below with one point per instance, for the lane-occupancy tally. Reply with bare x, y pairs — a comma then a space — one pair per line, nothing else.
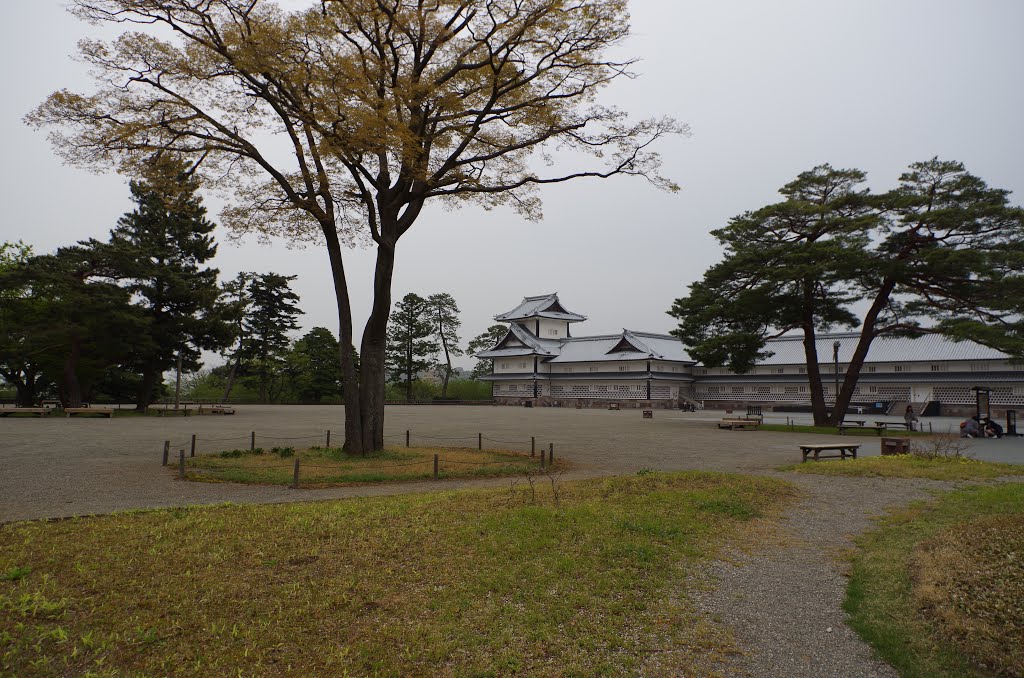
909, 417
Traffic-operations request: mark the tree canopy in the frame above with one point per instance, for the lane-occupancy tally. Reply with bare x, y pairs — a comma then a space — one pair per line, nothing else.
941, 253
339, 122
411, 343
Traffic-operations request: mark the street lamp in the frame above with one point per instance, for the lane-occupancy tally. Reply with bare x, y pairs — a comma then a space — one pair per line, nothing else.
835, 357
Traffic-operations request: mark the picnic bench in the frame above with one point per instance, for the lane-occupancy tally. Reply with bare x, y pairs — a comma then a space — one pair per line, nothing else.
102, 411
815, 451
41, 411
740, 422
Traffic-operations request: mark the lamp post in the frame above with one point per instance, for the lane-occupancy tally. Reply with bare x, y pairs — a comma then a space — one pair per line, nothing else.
835, 399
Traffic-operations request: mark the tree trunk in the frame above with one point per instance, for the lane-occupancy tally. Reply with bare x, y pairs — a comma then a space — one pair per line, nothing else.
24, 382
867, 335
232, 373
349, 377
371, 374
447, 356
142, 398
70, 388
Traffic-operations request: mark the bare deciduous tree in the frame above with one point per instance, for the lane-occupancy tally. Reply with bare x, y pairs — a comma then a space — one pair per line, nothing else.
339, 122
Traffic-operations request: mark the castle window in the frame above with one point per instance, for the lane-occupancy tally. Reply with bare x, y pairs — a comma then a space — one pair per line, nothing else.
623, 368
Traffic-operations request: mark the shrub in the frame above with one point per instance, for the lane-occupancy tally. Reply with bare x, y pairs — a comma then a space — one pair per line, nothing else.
946, 446
283, 452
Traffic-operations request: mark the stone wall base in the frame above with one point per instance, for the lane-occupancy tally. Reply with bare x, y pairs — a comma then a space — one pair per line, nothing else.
588, 403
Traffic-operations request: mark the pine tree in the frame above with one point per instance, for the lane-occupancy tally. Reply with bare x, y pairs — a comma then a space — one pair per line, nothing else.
272, 310
444, 314
159, 250
410, 341
482, 342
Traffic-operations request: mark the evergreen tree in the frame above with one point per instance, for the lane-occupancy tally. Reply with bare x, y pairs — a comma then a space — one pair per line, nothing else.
482, 342
159, 250
313, 366
75, 323
411, 343
942, 253
272, 309
444, 314
19, 365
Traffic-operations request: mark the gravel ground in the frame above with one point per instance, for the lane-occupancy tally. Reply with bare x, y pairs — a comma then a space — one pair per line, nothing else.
780, 600
783, 600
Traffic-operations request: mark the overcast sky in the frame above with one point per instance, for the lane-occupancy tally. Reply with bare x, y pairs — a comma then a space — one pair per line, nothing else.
769, 87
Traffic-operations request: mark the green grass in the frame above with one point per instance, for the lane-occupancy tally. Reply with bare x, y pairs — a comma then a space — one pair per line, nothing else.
832, 430
890, 586
909, 466
326, 467
489, 582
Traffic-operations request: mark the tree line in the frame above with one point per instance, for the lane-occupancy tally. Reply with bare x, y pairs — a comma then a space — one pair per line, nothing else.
942, 253
108, 318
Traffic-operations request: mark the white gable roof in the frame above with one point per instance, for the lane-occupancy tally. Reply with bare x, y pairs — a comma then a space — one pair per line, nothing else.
538, 307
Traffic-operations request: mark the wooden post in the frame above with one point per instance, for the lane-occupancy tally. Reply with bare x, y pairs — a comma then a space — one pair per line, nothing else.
533, 446
295, 475
252, 441
435, 466
551, 453
328, 437
479, 441
193, 445
407, 437
181, 464
167, 451
542, 457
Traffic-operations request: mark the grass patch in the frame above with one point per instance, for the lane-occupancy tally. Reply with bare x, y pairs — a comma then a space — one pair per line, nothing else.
910, 466
963, 548
330, 466
488, 582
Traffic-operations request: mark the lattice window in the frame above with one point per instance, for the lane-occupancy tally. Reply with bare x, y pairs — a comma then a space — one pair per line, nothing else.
661, 392
870, 368
761, 390
940, 367
623, 368
513, 387
557, 390
897, 368
737, 389
791, 389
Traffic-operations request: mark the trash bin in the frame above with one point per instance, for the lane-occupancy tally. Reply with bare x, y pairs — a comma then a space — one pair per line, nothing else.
895, 446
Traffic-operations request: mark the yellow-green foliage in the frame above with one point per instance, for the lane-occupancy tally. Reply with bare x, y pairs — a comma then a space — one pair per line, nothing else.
470, 583
910, 466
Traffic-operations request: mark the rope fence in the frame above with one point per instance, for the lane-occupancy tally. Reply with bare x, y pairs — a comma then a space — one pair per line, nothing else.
547, 456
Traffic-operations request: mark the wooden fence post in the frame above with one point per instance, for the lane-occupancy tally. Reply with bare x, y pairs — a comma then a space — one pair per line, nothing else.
181, 464
295, 475
193, 445
407, 437
542, 457
252, 441
533, 446
551, 453
479, 441
167, 451
435, 466
328, 438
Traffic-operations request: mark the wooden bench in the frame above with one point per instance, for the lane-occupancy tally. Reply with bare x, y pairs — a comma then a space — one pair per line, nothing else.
41, 411
881, 426
102, 411
816, 451
739, 422
216, 409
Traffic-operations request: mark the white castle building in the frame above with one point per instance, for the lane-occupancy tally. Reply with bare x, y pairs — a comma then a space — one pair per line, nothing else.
539, 360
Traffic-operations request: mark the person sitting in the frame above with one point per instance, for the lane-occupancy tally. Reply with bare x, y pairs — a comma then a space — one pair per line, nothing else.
969, 428
993, 429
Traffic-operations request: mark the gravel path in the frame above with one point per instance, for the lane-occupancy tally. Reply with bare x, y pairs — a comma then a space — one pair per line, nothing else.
783, 600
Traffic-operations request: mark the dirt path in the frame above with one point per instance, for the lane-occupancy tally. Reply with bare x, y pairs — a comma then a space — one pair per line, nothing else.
783, 600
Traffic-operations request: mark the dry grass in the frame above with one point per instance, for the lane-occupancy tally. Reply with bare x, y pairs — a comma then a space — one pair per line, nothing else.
327, 467
492, 582
897, 582
970, 582
910, 466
